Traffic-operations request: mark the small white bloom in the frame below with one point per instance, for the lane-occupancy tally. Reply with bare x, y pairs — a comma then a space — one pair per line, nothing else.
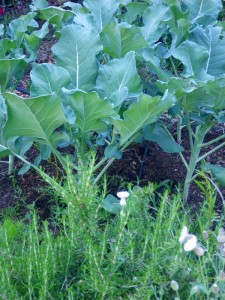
123, 196
221, 236
174, 285
191, 243
183, 235
205, 234
215, 288
221, 275
199, 251
123, 202
194, 290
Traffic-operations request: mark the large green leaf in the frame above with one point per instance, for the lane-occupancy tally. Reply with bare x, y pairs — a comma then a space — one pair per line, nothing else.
7, 48
55, 15
3, 150
218, 172
134, 10
154, 19
47, 79
31, 43
118, 39
216, 88
209, 96
10, 68
42, 32
212, 39
102, 11
157, 133
18, 27
179, 26
90, 111
155, 65
199, 9
177, 86
38, 5
76, 51
118, 79
111, 204
145, 111
36, 117
194, 57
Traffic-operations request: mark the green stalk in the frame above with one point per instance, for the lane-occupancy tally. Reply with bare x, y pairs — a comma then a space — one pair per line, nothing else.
179, 122
180, 154
111, 160
99, 164
11, 163
174, 67
214, 140
211, 151
83, 149
191, 169
190, 132
104, 170
196, 146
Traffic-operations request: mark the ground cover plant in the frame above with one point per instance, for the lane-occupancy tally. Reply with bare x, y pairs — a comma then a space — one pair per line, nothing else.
121, 73
142, 249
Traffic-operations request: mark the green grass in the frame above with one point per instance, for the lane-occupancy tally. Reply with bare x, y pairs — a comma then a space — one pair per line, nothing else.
134, 254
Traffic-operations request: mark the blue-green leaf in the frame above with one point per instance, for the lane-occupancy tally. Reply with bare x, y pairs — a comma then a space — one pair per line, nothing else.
118, 79
111, 204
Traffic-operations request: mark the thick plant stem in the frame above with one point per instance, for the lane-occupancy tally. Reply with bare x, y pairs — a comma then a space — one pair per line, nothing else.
112, 159
196, 146
11, 163
104, 169
179, 124
190, 171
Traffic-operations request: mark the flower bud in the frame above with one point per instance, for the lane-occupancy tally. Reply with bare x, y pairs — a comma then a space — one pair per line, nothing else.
205, 234
221, 236
221, 275
194, 290
199, 251
123, 202
215, 288
174, 285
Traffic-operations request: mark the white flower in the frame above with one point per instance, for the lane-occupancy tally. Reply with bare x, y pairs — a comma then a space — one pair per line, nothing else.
191, 243
221, 236
183, 235
174, 285
215, 288
123, 202
205, 234
194, 290
221, 275
123, 196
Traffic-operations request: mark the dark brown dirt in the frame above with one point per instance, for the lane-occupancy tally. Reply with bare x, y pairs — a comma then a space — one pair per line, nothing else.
148, 163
